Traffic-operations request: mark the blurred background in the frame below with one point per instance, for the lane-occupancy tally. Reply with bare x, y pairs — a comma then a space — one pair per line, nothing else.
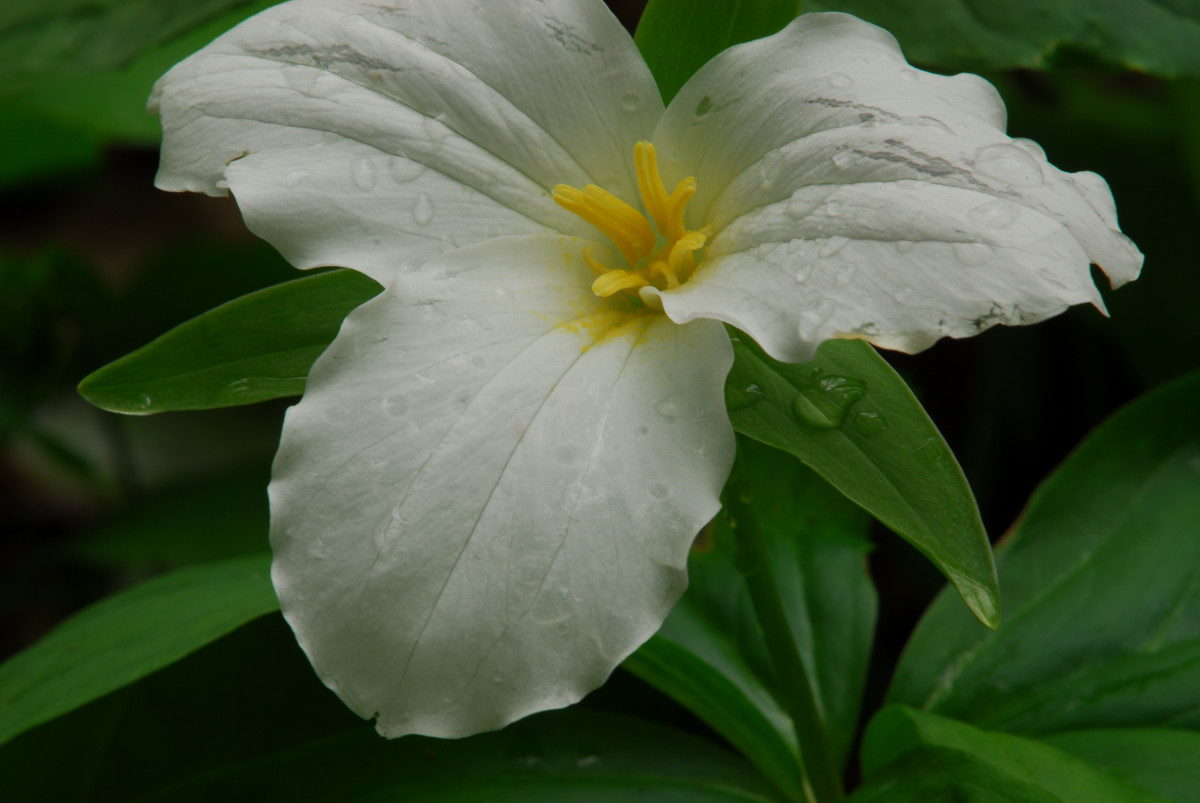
95, 262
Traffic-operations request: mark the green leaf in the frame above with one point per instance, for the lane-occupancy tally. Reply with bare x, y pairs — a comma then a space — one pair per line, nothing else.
83, 35
254, 348
676, 37
127, 636
710, 655
246, 718
563, 756
915, 756
1161, 37
1102, 580
110, 104
1156, 760
854, 421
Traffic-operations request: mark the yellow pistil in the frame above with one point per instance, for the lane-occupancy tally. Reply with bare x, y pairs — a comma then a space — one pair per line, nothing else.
664, 261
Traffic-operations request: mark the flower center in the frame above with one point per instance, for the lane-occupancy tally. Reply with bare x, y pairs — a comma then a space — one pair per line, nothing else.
663, 260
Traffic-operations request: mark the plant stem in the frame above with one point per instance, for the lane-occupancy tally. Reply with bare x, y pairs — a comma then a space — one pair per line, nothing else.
820, 776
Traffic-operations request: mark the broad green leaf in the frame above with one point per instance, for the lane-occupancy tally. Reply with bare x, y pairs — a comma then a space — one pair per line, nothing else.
915, 756
1161, 37
244, 696
1158, 761
245, 718
676, 37
127, 636
1102, 582
254, 348
562, 756
42, 36
854, 421
710, 654
110, 104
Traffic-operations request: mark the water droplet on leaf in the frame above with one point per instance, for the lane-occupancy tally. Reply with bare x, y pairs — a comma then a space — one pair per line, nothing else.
870, 423
823, 403
739, 398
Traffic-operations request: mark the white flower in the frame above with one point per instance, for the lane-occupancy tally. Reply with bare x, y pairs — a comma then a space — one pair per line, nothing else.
486, 498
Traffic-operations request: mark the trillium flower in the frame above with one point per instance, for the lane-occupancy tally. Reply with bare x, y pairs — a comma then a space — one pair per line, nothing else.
486, 498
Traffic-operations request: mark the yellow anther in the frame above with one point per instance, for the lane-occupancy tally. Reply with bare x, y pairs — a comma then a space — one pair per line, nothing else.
654, 193
619, 221
617, 280
651, 261
680, 258
676, 205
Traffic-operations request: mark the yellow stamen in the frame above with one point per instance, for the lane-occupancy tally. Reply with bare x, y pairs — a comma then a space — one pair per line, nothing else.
629, 230
617, 280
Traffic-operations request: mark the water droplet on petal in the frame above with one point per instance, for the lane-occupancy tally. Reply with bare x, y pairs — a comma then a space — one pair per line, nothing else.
435, 128
800, 206
870, 423
422, 210
933, 122
296, 178
1030, 147
972, 253
802, 273
1010, 164
995, 214
363, 173
704, 106
840, 80
301, 78
843, 159
405, 170
659, 491
668, 409
395, 405
832, 246
631, 101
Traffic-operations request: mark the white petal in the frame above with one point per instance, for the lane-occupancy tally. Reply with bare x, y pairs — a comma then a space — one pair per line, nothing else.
856, 196
370, 133
485, 500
